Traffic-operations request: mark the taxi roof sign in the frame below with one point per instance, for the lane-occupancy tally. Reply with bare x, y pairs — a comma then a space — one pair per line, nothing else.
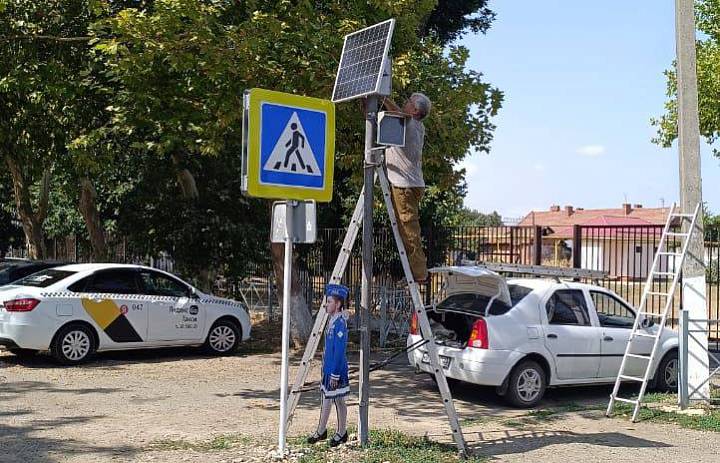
288, 146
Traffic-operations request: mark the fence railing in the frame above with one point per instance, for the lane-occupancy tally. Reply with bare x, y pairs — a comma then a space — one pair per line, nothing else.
625, 253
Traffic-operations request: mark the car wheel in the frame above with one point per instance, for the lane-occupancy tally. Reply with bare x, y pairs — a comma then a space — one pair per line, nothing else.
666, 376
73, 344
223, 338
526, 385
23, 353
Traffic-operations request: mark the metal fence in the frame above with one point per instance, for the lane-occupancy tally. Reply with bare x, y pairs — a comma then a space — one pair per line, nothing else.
625, 253
77, 249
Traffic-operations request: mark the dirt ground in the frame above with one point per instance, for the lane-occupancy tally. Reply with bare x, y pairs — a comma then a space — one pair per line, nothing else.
157, 405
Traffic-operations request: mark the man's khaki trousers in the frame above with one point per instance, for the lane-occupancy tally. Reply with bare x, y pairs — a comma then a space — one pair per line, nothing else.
406, 202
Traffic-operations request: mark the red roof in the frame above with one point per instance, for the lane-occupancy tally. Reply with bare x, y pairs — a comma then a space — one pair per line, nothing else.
561, 221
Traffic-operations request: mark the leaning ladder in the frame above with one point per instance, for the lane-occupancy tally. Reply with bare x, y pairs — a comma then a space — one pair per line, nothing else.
418, 305
637, 331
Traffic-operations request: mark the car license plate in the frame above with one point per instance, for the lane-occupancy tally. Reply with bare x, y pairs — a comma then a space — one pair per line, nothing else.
445, 361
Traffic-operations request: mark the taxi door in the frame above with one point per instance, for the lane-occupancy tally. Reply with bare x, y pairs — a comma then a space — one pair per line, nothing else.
111, 298
175, 315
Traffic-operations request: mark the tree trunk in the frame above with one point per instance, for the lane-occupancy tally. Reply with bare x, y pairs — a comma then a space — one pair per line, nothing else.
185, 178
301, 320
32, 222
89, 211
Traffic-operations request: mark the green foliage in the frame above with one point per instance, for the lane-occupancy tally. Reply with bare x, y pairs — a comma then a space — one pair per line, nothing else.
472, 218
393, 447
708, 75
10, 233
707, 421
129, 93
452, 18
222, 230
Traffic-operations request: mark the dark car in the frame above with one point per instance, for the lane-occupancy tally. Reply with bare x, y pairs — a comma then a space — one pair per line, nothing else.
13, 270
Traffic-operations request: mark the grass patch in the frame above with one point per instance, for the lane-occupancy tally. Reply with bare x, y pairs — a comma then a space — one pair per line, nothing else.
710, 421
546, 415
218, 443
479, 420
388, 446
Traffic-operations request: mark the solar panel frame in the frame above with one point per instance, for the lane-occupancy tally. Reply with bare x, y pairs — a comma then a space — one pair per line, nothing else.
347, 85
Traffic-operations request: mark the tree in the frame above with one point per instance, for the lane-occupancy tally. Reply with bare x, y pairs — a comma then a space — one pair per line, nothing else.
126, 115
473, 218
178, 71
44, 58
10, 233
708, 74
452, 18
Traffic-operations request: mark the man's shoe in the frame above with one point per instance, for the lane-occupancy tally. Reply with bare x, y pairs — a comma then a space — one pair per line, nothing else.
337, 439
315, 437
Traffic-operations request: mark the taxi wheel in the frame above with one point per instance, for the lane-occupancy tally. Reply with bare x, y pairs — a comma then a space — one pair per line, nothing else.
224, 338
73, 344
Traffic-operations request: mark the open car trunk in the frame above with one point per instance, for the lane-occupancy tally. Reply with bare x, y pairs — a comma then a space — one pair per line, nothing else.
469, 294
450, 328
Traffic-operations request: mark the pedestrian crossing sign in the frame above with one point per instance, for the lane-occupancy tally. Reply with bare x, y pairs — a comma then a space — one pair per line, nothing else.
288, 146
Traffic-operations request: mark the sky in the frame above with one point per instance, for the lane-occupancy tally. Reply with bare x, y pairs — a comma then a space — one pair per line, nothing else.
581, 81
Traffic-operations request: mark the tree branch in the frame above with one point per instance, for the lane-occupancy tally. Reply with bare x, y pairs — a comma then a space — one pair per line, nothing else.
44, 197
54, 38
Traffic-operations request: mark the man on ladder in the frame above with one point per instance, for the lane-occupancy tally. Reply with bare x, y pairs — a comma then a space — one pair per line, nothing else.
404, 168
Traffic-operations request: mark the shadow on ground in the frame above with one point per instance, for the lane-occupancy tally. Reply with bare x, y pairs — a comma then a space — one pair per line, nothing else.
25, 440
496, 443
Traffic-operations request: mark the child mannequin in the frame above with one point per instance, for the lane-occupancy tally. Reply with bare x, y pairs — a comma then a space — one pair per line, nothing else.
335, 384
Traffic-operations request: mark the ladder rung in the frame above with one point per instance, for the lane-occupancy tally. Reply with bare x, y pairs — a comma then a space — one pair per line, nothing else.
664, 273
645, 335
632, 378
655, 293
650, 313
664, 253
684, 235
637, 356
630, 401
682, 215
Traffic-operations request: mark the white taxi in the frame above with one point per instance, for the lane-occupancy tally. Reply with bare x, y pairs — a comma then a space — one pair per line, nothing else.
523, 335
76, 310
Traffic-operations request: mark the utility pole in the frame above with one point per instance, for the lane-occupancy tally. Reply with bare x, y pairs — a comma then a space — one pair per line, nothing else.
367, 268
693, 270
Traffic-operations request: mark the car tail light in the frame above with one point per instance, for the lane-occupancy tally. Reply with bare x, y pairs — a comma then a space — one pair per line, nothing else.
479, 335
414, 323
21, 305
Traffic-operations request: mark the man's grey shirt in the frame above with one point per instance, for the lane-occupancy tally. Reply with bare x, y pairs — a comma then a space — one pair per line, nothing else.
404, 164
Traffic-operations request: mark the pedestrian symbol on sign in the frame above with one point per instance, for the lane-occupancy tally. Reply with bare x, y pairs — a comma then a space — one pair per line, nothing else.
292, 153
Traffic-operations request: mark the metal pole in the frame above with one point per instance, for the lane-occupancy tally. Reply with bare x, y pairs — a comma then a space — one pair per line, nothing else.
287, 283
683, 360
367, 270
693, 272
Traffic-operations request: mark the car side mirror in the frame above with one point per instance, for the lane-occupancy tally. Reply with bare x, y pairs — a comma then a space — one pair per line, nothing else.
194, 294
646, 323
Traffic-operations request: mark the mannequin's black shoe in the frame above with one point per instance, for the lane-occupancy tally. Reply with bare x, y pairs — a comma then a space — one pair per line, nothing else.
315, 437
337, 439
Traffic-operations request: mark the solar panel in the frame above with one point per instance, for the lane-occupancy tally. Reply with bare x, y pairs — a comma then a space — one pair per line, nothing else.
363, 61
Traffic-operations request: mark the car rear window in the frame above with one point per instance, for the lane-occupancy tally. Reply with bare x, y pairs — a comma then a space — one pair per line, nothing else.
472, 302
44, 278
518, 293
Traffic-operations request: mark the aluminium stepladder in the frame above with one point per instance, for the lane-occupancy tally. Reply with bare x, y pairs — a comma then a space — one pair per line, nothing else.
642, 312
418, 307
